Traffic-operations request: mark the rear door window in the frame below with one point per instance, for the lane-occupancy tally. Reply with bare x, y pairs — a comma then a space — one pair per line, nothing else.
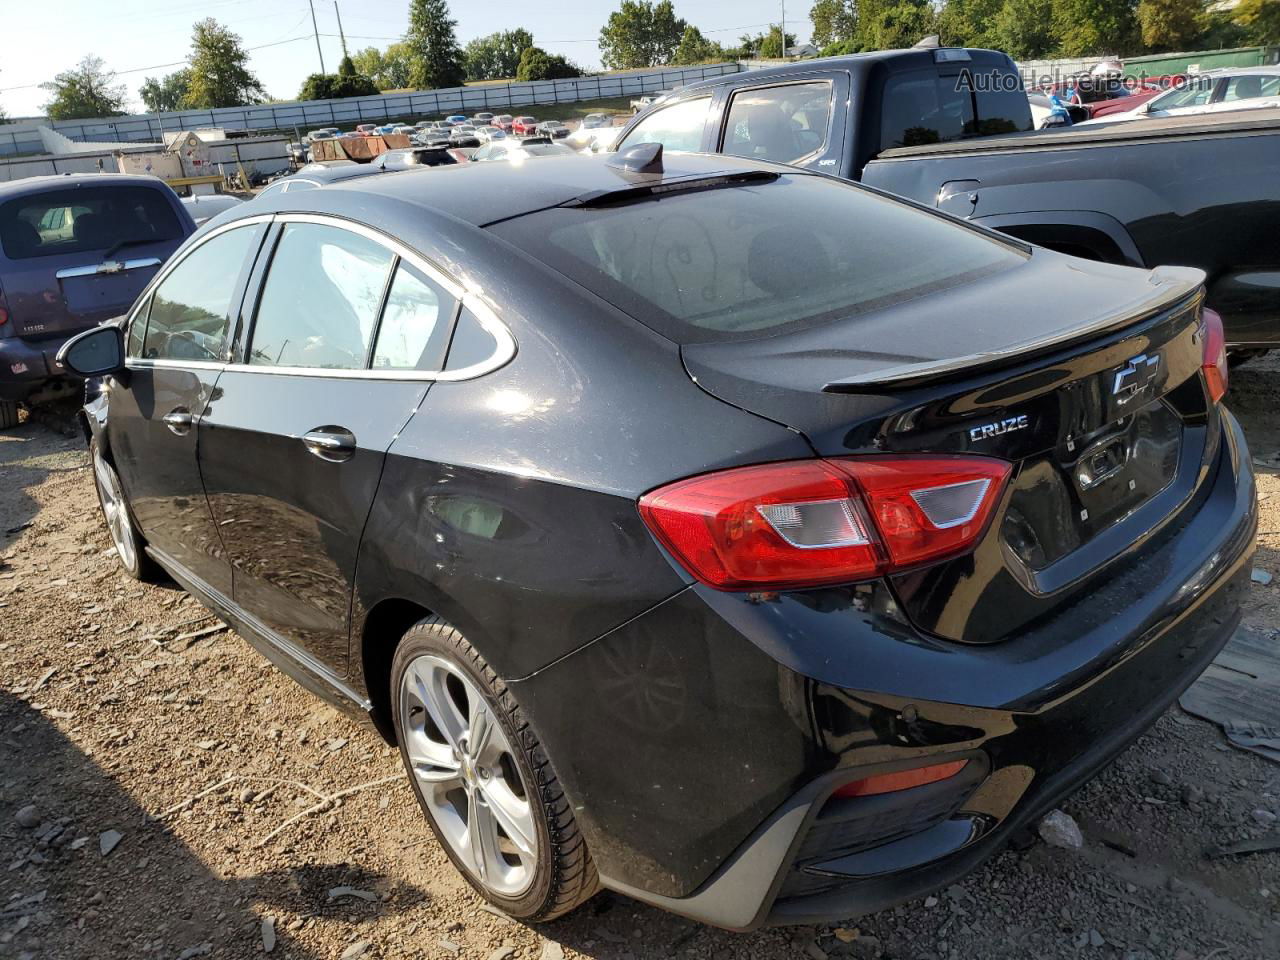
784, 123
1250, 87
190, 309
85, 220
472, 343
321, 298
414, 329
677, 127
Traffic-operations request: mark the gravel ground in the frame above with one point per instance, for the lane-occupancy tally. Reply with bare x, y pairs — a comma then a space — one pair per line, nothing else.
165, 793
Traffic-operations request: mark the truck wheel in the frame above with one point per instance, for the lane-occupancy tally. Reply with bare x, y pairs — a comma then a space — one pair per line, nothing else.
8, 414
483, 779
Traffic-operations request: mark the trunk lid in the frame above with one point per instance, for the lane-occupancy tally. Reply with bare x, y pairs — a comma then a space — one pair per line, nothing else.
1092, 392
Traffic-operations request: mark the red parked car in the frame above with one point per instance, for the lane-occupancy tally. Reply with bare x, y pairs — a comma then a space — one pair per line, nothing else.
1137, 97
503, 121
524, 126
366, 129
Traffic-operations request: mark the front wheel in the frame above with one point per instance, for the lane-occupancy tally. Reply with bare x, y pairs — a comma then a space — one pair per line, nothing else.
482, 778
125, 538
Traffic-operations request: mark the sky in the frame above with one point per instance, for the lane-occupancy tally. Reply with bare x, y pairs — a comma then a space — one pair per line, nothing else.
41, 39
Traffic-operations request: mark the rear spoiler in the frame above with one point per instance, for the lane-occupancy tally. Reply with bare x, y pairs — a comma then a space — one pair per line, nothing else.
1184, 283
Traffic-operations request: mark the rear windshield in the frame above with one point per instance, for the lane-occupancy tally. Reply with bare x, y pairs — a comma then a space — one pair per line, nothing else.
753, 260
84, 220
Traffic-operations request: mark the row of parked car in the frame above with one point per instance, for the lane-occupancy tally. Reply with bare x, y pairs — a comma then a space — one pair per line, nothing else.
702, 520
1106, 97
458, 130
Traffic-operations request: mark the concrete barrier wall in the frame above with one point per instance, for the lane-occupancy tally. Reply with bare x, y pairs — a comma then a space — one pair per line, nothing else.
309, 114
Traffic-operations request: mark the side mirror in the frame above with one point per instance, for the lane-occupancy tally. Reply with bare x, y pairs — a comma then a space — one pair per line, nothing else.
94, 353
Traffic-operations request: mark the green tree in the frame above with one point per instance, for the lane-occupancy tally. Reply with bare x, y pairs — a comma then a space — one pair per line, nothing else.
768, 46
496, 56
219, 69
389, 69
87, 90
167, 93
433, 46
347, 82
1024, 29
1260, 19
537, 64
640, 34
695, 48
1171, 24
833, 21
902, 25
970, 23
371, 62
1087, 28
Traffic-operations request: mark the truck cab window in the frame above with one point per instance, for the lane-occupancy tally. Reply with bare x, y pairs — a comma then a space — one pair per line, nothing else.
784, 123
922, 108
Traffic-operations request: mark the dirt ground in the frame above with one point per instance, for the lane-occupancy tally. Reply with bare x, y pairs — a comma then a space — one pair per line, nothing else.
165, 793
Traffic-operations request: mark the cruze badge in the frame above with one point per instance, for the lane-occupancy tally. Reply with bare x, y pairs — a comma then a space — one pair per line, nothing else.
1008, 425
1134, 375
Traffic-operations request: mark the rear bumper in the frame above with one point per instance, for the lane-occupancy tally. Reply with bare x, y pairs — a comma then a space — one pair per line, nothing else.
738, 716
27, 365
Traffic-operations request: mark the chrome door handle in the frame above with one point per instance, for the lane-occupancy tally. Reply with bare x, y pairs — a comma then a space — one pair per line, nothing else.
178, 421
333, 444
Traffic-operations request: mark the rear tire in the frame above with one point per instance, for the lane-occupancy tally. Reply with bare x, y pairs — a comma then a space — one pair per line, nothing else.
534, 865
8, 414
129, 545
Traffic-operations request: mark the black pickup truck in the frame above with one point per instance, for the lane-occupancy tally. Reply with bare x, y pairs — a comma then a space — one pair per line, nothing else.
951, 128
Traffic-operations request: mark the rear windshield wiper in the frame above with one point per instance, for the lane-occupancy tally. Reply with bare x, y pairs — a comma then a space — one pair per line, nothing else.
121, 244
654, 191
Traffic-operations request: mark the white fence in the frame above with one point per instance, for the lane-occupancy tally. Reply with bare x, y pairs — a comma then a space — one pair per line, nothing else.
309, 114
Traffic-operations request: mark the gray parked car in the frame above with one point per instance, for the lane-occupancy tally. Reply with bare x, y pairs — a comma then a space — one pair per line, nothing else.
74, 251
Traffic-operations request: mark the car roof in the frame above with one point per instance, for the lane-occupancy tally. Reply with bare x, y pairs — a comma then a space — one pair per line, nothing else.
63, 181
334, 174
482, 193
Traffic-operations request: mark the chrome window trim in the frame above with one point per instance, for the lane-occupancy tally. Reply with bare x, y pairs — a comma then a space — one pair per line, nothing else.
168, 363
120, 266
505, 343
175, 261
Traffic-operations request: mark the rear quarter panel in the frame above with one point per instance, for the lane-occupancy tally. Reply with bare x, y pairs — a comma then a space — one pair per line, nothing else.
508, 502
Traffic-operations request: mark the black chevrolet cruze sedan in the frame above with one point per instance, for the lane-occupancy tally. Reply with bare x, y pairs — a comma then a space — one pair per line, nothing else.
746, 541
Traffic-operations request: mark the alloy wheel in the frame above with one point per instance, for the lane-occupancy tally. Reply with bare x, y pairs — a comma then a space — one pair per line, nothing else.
468, 775
115, 510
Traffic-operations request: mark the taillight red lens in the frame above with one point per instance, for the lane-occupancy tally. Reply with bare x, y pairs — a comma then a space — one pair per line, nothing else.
1215, 356
902, 780
810, 523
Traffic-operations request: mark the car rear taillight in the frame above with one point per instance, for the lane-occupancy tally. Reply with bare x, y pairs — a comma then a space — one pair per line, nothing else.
809, 523
1215, 356
901, 780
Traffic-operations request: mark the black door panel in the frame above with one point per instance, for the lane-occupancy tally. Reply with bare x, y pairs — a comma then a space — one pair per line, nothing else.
157, 465
291, 464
